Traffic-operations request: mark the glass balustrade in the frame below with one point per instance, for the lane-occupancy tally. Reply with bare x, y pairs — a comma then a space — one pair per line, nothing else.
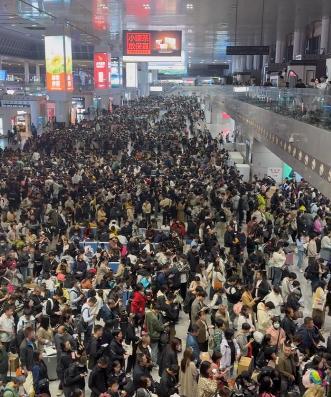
312, 106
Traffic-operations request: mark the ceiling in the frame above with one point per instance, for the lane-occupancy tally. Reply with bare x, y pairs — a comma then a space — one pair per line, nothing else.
208, 25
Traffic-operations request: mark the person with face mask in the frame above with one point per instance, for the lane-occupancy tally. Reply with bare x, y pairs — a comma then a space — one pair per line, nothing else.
277, 333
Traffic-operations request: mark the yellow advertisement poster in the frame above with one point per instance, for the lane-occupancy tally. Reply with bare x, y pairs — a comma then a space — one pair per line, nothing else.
55, 68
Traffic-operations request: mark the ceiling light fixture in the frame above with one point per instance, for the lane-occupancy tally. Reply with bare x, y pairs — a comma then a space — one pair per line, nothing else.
189, 6
147, 6
34, 26
12, 25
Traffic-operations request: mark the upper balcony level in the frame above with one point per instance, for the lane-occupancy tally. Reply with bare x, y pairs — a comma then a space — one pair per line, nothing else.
294, 124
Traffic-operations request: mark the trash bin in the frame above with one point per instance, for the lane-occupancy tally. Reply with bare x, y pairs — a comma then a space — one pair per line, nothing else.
51, 364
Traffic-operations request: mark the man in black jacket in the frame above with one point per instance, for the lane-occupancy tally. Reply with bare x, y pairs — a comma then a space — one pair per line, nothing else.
27, 348
168, 382
117, 350
288, 324
98, 380
95, 349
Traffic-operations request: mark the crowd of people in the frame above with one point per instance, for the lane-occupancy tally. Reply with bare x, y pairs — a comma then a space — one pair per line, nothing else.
118, 234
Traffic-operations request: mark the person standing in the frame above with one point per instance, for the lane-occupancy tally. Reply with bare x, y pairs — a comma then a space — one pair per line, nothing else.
98, 379
154, 328
319, 299
7, 326
287, 368
188, 375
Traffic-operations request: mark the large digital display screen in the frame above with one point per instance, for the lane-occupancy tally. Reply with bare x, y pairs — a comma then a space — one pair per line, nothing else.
55, 68
152, 43
102, 70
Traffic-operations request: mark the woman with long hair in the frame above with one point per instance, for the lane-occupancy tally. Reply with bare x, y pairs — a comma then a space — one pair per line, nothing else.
188, 375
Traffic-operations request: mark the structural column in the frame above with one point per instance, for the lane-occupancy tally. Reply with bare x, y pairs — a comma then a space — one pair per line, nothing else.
249, 62
324, 48
26, 72
298, 43
280, 47
37, 72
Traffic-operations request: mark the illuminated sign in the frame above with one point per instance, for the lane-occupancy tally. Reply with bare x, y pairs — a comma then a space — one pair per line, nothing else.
3, 75
152, 43
102, 70
100, 15
131, 75
58, 63
68, 64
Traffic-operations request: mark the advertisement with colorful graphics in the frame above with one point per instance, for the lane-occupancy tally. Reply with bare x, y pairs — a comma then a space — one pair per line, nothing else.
152, 43
68, 58
58, 56
102, 70
55, 68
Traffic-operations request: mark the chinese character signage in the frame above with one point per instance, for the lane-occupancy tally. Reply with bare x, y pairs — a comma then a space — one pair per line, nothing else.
58, 63
152, 43
102, 70
100, 15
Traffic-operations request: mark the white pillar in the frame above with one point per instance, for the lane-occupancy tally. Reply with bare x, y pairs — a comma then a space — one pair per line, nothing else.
249, 62
298, 43
280, 47
241, 66
26, 72
324, 48
37, 72
256, 63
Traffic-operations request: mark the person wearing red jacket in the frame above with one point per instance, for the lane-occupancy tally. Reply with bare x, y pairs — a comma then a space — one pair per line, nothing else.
138, 304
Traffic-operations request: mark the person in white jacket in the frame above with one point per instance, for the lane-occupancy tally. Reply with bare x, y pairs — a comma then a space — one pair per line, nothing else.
230, 351
277, 261
325, 252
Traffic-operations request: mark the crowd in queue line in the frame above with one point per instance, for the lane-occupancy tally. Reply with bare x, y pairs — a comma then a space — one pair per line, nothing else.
114, 231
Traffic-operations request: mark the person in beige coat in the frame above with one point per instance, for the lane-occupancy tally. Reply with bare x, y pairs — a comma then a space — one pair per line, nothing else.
188, 375
102, 270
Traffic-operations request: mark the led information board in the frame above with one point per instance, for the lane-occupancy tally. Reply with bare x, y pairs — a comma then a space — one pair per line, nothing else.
102, 70
247, 50
152, 43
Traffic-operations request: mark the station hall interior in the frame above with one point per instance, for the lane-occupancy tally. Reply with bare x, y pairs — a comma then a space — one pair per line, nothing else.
93, 93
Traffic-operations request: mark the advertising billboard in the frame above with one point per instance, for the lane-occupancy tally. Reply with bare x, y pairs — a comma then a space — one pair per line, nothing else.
58, 57
55, 68
68, 58
131, 75
152, 45
100, 15
102, 70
